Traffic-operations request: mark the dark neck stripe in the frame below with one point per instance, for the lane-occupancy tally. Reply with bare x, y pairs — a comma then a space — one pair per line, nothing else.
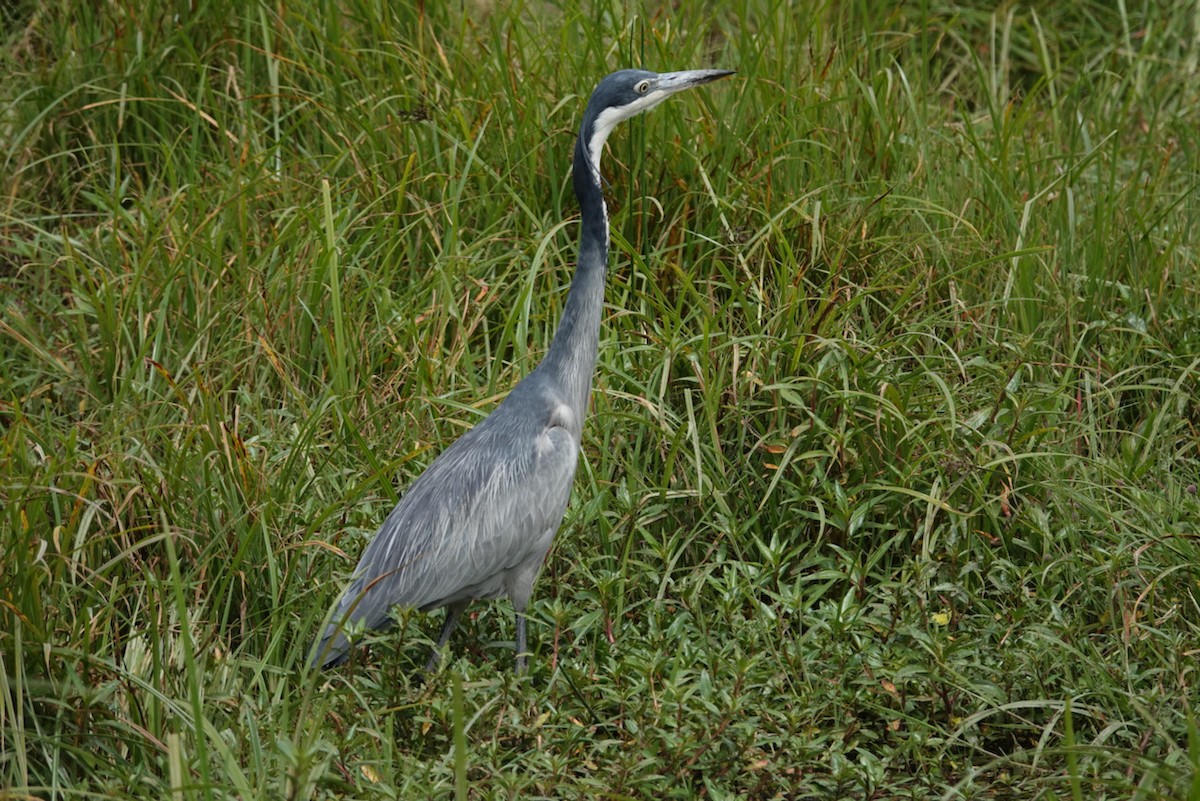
571, 358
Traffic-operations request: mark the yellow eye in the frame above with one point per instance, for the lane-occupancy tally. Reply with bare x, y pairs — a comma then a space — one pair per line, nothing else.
642, 87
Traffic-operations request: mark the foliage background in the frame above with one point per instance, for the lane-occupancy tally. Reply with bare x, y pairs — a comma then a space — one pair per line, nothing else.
889, 489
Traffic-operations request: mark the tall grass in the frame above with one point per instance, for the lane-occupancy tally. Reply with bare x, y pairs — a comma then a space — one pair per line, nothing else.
889, 487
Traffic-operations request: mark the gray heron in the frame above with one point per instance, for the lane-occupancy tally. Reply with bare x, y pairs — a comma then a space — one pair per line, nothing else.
479, 521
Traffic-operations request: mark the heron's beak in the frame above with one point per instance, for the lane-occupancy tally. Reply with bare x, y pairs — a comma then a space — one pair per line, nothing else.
672, 82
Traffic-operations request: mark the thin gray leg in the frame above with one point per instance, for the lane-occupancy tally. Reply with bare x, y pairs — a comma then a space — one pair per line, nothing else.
520, 664
453, 613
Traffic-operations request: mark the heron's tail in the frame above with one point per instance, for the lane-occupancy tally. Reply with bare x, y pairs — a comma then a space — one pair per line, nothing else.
357, 610
331, 650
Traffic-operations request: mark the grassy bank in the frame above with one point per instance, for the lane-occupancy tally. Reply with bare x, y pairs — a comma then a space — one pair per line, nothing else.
890, 484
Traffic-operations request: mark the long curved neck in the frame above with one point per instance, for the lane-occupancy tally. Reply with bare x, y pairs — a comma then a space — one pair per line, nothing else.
571, 359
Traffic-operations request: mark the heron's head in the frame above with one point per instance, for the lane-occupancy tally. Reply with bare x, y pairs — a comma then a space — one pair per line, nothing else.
626, 93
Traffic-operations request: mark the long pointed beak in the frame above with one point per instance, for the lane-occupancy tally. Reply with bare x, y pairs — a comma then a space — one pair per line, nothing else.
672, 82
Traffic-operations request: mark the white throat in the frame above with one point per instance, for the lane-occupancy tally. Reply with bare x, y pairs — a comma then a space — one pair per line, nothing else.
607, 120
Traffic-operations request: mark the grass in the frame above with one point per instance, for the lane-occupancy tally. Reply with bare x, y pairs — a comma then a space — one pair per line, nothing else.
889, 487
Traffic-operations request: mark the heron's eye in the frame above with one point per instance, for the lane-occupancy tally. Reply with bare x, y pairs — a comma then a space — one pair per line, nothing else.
642, 87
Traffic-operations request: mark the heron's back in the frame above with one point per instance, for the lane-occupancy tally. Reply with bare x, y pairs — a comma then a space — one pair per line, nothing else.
476, 524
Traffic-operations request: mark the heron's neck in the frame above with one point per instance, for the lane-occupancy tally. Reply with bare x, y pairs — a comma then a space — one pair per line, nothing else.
572, 355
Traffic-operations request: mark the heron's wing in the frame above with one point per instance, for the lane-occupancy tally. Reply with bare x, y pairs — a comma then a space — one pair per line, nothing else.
487, 505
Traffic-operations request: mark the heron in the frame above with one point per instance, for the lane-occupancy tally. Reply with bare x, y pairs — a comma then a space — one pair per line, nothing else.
478, 523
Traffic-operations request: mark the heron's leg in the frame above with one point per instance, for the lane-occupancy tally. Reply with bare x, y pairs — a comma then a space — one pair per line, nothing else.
520, 663
453, 613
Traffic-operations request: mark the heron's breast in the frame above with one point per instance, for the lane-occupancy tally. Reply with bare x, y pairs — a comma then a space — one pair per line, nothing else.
560, 436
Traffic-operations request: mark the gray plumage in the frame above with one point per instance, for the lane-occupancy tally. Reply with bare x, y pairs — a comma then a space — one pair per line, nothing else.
478, 522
